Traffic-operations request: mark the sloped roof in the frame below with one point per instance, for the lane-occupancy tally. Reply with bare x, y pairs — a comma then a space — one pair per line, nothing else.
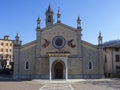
112, 44
90, 44
27, 44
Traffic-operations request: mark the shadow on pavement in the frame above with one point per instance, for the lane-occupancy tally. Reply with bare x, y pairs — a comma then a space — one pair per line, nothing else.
8, 78
113, 83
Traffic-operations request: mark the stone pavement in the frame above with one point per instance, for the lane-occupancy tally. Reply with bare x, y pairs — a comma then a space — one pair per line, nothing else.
71, 84
80, 84
19, 85
57, 86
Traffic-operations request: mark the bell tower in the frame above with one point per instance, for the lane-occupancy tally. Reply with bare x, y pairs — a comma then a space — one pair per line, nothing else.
49, 16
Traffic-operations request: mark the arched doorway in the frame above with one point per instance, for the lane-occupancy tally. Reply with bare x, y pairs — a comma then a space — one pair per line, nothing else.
58, 70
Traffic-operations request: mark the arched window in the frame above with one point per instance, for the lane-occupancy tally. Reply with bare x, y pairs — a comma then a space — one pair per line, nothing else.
90, 65
49, 18
27, 66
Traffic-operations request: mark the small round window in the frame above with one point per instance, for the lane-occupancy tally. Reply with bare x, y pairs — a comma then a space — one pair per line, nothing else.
58, 42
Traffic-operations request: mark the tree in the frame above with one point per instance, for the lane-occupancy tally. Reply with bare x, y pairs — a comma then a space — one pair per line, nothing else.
3, 63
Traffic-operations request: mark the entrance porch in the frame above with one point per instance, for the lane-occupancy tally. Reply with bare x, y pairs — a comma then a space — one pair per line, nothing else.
58, 65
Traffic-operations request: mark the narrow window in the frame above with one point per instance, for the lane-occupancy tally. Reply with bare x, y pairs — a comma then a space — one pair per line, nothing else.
1, 50
116, 49
6, 50
105, 58
105, 49
6, 44
117, 58
10, 44
10, 50
90, 65
27, 65
118, 69
2, 44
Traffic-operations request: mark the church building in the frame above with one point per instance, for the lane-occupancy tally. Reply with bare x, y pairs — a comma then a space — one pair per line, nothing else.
58, 53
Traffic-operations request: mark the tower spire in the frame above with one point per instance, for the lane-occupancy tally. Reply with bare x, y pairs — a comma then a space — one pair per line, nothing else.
17, 41
58, 15
100, 39
79, 29
17, 37
49, 8
78, 23
49, 16
38, 22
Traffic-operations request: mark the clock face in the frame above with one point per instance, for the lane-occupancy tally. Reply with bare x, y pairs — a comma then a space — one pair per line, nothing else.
58, 42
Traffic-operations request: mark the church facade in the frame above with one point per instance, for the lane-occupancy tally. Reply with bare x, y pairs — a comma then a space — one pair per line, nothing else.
58, 53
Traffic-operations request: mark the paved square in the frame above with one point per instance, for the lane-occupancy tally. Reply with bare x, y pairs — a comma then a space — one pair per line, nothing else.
75, 84
57, 86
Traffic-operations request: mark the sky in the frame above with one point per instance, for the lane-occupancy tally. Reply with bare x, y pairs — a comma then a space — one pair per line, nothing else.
19, 16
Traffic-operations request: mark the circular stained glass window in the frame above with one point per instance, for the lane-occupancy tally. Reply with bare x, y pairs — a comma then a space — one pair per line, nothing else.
58, 42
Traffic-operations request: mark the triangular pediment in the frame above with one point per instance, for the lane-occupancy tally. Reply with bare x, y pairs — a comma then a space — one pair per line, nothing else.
59, 25
67, 33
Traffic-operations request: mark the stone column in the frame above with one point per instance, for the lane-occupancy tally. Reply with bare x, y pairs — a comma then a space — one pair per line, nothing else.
16, 62
66, 69
50, 69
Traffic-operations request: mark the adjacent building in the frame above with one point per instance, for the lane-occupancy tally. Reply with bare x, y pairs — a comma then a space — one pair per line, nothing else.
112, 58
6, 52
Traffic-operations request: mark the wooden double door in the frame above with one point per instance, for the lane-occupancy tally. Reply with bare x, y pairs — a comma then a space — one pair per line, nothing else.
58, 71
